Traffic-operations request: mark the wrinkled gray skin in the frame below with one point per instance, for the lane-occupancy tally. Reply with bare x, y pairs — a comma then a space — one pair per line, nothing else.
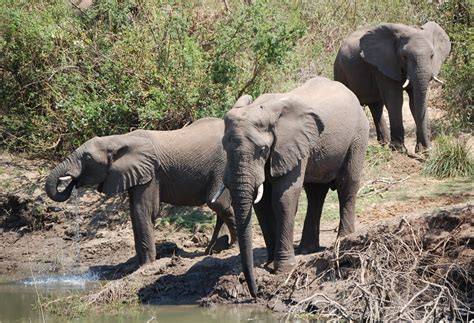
314, 136
375, 63
182, 167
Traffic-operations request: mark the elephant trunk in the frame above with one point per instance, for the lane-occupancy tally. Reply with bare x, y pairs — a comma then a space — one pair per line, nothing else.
53, 181
420, 90
242, 192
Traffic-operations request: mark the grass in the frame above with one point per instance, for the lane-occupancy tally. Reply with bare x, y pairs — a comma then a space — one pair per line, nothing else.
187, 218
450, 158
377, 155
405, 192
76, 305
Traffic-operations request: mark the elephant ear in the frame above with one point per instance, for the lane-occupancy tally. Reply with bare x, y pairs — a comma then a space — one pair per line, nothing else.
243, 101
296, 131
441, 44
133, 161
379, 48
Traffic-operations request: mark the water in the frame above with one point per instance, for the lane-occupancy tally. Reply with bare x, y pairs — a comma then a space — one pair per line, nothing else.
77, 229
19, 303
73, 280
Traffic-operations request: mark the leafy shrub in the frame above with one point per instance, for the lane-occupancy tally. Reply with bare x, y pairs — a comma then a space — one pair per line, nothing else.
377, 154
128, 64
458, 71
69, 76
450, 158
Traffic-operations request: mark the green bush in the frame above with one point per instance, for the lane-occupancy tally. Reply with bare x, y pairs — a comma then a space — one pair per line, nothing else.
450, 158
455, 17
377, 154
130, 64
68, 76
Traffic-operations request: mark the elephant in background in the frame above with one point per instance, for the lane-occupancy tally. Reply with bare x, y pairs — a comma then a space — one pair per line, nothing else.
182, 167
378, 63
315, 137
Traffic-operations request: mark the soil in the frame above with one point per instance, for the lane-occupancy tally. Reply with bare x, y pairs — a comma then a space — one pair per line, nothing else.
89, 232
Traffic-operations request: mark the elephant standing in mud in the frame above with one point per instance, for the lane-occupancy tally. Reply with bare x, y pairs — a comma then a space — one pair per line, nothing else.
315, 137
378, 63
182, 167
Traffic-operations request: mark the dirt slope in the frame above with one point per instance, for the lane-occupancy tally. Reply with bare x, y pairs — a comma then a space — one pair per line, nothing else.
364, 275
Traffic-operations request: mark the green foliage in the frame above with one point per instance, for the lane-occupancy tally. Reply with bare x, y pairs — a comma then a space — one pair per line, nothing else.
68, 76
187, 218
459, 71
455, 17
450, 158
130, 64
377, 155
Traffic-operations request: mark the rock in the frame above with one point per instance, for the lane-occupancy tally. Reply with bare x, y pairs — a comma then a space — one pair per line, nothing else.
53, 209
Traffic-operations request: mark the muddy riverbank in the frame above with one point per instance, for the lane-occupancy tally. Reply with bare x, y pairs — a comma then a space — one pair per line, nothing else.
413, 244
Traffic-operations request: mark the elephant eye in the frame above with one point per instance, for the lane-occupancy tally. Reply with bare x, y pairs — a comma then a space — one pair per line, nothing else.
263, 150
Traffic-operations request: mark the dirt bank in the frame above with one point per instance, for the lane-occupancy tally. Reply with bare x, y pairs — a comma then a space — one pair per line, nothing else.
404, 260
412, 252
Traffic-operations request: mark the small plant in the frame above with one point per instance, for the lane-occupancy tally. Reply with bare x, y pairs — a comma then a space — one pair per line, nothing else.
186, 218
450, 158
377, 154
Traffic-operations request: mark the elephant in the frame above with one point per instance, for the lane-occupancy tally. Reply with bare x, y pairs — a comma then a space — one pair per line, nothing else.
315, 137
378, 63
182, 167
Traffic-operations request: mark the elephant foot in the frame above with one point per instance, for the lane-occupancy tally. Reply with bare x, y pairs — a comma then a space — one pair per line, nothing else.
306, 250
398, 146
285, 266
422, 150
220, 244
145, 260
383, 140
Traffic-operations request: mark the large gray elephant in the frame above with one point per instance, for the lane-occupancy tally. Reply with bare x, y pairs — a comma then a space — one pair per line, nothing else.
182, 167
378, 63
314, 136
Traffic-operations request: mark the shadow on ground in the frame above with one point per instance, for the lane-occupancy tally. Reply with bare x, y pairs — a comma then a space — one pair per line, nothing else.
197, 282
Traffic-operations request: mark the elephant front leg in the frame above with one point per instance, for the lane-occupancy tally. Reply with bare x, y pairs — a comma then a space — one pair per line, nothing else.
144, 208
285, 193
392, 95
266, 219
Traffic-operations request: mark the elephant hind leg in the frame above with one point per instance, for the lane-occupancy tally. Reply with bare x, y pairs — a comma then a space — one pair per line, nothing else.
348, 183
376, 109
224, 236
316, 194
219, 241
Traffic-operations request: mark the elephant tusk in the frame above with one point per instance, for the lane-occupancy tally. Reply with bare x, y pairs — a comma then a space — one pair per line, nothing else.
438, 80
406, 83
218, 194
259, 194
65, 178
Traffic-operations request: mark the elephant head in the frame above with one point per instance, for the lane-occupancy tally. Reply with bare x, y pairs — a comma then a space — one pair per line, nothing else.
260, 140
407, 54
114, 163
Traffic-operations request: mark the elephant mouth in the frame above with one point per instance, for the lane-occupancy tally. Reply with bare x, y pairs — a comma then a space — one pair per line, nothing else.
66, 182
